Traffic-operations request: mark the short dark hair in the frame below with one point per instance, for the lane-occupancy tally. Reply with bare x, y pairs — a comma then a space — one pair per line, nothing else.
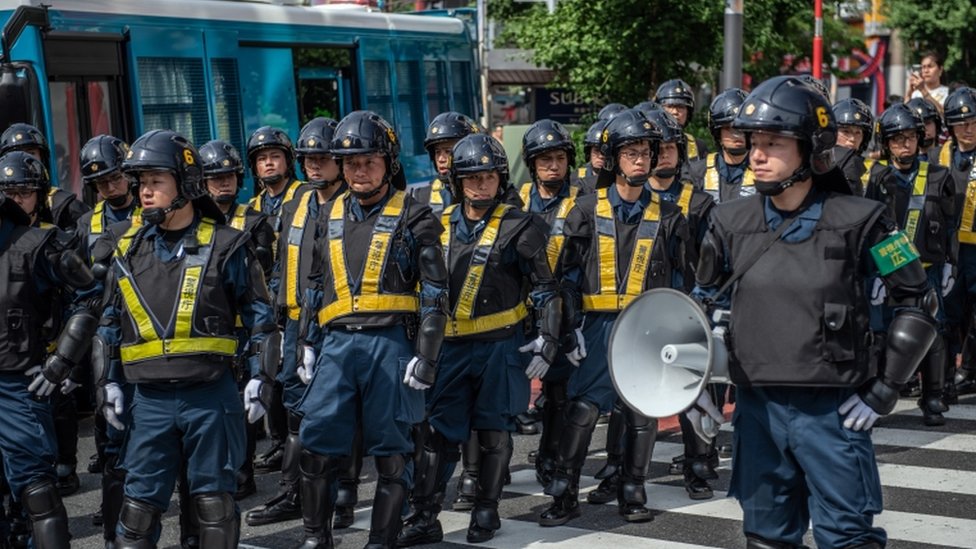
936, 58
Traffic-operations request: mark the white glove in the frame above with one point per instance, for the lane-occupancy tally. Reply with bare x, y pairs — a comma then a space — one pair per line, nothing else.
705, 417
252, 401
579, 353
114, 405
537, 367
40, 386
860, 416
534, 346
878, 292
307, 368
67, 386
412, 381
948, 279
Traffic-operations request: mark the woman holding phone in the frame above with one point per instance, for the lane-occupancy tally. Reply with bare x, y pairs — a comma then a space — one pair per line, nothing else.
925, 80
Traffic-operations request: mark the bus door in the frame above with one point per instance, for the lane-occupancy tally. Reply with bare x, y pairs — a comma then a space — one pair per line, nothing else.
323, 91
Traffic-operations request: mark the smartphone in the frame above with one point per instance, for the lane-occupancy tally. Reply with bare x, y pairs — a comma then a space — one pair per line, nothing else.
917, 69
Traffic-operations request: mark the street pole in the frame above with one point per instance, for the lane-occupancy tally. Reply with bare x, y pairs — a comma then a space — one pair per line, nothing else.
732, 63
818, 39
482, 12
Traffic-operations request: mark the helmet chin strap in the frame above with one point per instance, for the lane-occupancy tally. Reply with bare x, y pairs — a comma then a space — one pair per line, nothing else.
771, 188
322, 184
736, 151
482, 204
225, 198
155, 216
665, 173
366, 195
118, 201
271, 179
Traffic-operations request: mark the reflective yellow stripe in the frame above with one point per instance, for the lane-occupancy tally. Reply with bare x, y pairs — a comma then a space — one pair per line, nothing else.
97, 223
369, 298
464, 308
486, 323
581, 173
436, 186
187, 346
257, 202
50, 197
712, 181
684, 201
692, 145
292, 189
239, 216
554, 247
608, 298
295, 236
967, 232
136, 310
748, 179
918, 201
525, 193
866, 176
945, 155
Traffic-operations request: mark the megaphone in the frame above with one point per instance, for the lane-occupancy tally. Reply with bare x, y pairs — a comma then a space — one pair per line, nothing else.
662, 353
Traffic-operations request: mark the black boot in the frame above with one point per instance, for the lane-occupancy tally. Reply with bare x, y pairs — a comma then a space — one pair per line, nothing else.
139, 523
496, 451
348, 494
552, 426
467, 484
615, 444
932, 370
49, 519
698, 462
390, 492
579, 419
113, 480
318, 475
287, 504
606, 491
421, 525
189, 522
220, 523
245, 475
632, 497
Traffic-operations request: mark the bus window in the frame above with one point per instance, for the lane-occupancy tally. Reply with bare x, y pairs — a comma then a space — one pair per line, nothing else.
80, 110
435, 75
379, 96
410, 106
227, 101
174, 97
323, 82
461, 86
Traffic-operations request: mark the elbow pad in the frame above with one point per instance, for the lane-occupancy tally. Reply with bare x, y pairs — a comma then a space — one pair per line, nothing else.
909, 337
430, 336
73, 270
550, 327
710, 263
268, 353
432, 266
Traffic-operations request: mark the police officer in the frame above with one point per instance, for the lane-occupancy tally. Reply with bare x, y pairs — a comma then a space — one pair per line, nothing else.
725, 175
377, 245
920, 197
587, 173
57, 206
178, 280
678, 99
927, 111
855, 127
549, 153
958, 154
444, 131
301, 231
806, 395
41, 269
493, 250
621, 241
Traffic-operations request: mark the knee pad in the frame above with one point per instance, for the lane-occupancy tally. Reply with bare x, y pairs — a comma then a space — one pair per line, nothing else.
315, 465
493, 440
438, 444
638, 421
390, 468
41, 499
138, 518
580, 413
214, 508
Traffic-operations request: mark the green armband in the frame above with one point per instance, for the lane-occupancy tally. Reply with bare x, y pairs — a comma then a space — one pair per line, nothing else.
894, 253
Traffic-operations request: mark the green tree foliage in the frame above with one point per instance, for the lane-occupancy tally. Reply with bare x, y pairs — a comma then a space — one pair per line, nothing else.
946, 26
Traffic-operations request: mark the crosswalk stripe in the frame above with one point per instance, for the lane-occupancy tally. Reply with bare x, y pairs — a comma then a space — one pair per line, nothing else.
929, 440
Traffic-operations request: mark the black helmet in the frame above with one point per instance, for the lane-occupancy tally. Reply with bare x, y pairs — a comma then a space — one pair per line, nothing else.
315, 138
102, 155
647, 107
219, 158
676, 92
592, 137
785, 105
627, 127
610, 110
723, 110
817, 84
364, 132
926, 110
546, 135
671, 132
165, 150
267, 137
448, 126
20, 170
22, 136
959, 107
896, 119
854, 112
476, 153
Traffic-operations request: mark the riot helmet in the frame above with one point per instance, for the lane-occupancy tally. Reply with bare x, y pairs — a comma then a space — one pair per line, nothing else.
101, 157
896, 119
474, 154
365, 132
628, 127
927, 111
267, 137
671, 132
722, 112
647, 107
959, 107
817, 84
676, 92
854, 112
22, 137
165, 150
316, 138
610, 110
22, 172
220, 158
547, 135
448, 126
784, 105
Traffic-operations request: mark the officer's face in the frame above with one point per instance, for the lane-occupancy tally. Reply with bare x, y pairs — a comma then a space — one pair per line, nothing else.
157, 189
25, 198
679, 112
965, 133
35, 152
850, 136
442, 156
667, 155
271, 162
596, 159
320, 167
222, 184
929, 129
481, 186
732, 139
774, 157
112, 185
551, 165
635, 159
903, 144
364, 172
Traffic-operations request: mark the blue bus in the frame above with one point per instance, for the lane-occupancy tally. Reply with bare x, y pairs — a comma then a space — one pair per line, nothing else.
219, 69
